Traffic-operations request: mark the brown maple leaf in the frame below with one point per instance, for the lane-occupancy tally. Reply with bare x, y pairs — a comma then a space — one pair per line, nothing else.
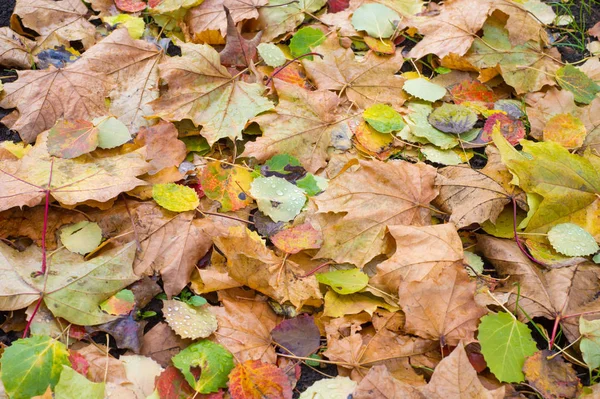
238, 50
162, 146
356, 209
210, 15
15, 50
379, 383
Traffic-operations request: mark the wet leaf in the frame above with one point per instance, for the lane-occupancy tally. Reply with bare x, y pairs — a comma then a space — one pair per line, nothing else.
383, 118
277, 198
271, 54
189, 321
571, 240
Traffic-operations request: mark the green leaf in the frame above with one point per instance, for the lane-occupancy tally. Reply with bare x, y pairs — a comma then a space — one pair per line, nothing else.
421, 128
376, 19
571, 240
424, 89
344, 281
312, 184
452, 118
82, 237
196, 144
444, 157
277, 198
30, 365
383, 118
73, 385
215, 361
271, 54
505, 344
304, 40
279, 162
590, 342
135, 25
577, 82
112, 133
196, 300
474, 261
175, 197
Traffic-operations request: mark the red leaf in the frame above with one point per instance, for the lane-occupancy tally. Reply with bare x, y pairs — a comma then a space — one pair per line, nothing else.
79, 363
171, 384
337, 5
472, 90
130, 5
254, 379
512, 130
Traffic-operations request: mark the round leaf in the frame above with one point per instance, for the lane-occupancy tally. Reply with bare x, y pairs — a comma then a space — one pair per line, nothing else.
215, 361
112, 133
590, 342
254, 379
30, 365
299, 335
189, 321
82, 237
271, 54
298, 238
277, 198
424, 89
505, 344
304, 40
566, 130
376, 19
452, 118
175, 197
121, 303
344, 281
73, 385
444, 157
383, 118
334, 388
571, 240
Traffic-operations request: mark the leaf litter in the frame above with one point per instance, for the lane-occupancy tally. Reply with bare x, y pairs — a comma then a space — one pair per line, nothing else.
210, 198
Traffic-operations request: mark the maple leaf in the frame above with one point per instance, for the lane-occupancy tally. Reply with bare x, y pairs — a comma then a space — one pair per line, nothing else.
238, 50
251, 263
548, 294
453, 30
526, 67
455, 377
99, 278
131, 66
245, 325
421, 251
70, 181
303, 125
441, 307
44, 96
541, 107
469, 195
379, 383
15, 50
365, 82
201, 89
367, 200
568, 183
210, 15
57, 22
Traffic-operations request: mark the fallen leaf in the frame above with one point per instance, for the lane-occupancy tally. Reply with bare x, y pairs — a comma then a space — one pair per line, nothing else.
189, 321
280, 17
297, 238
577, 82
161, 344
162, 146
337, 387
300, 335
254, 379
238, 50
210, 15
380, 384
15, 50
566, 130
551, 375
72, 385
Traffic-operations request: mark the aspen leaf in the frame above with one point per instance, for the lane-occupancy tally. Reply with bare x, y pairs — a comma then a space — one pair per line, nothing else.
304, 40
424, 89
344, 281
82, 237
333, 388
214, 360
254, 379
229, 185
450, 118
121, 303
277, 198
175, 197
73, 385
590, 342
383, 118
297, 238
551, 375
571, 240
577, 82
299, 335
189, 321
376, 19
271, 54
566, 130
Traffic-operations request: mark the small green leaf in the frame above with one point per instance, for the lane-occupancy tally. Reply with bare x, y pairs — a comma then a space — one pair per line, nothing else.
279, 162
277, 198
422, 129
590, 342
81, 238
196, 300
376, 19
175, 197
215, 361
304, 40
344, 281
271, 54
424, 89
30, 365
196, 144
383, 118
112, 133
571, 240
577, 82
474, 262
444, 157
135, 25
452, 118
73, 385
312, 184
505, 344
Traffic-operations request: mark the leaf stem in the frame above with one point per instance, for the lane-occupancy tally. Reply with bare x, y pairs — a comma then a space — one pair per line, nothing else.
517, 240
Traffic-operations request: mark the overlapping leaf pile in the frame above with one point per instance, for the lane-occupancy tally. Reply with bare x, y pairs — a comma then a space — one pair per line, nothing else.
221, 190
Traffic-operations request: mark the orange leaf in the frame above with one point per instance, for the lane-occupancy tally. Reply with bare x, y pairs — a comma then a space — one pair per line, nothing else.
254, 379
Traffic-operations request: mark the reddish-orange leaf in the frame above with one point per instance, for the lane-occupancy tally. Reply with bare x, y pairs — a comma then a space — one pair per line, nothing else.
512, 130
130, 5
254, 379
371, 142
119, 304
472, 90
78, 362
171, 384
293, 73
70, 139
298, 238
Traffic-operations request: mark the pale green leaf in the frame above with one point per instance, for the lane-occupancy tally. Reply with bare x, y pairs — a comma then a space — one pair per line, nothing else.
189, 321
175, 197
73, 385
82, 237
277, 198
424, 89
444, 157
474, 262
505, 344
590, 342
572, 240
112, 133
383, 118
421, 128
32, 364
330, 388
344, 281
135, 25
376, 19
271, 54
215, 361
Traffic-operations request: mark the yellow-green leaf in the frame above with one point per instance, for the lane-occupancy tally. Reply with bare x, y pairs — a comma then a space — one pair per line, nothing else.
175, 197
